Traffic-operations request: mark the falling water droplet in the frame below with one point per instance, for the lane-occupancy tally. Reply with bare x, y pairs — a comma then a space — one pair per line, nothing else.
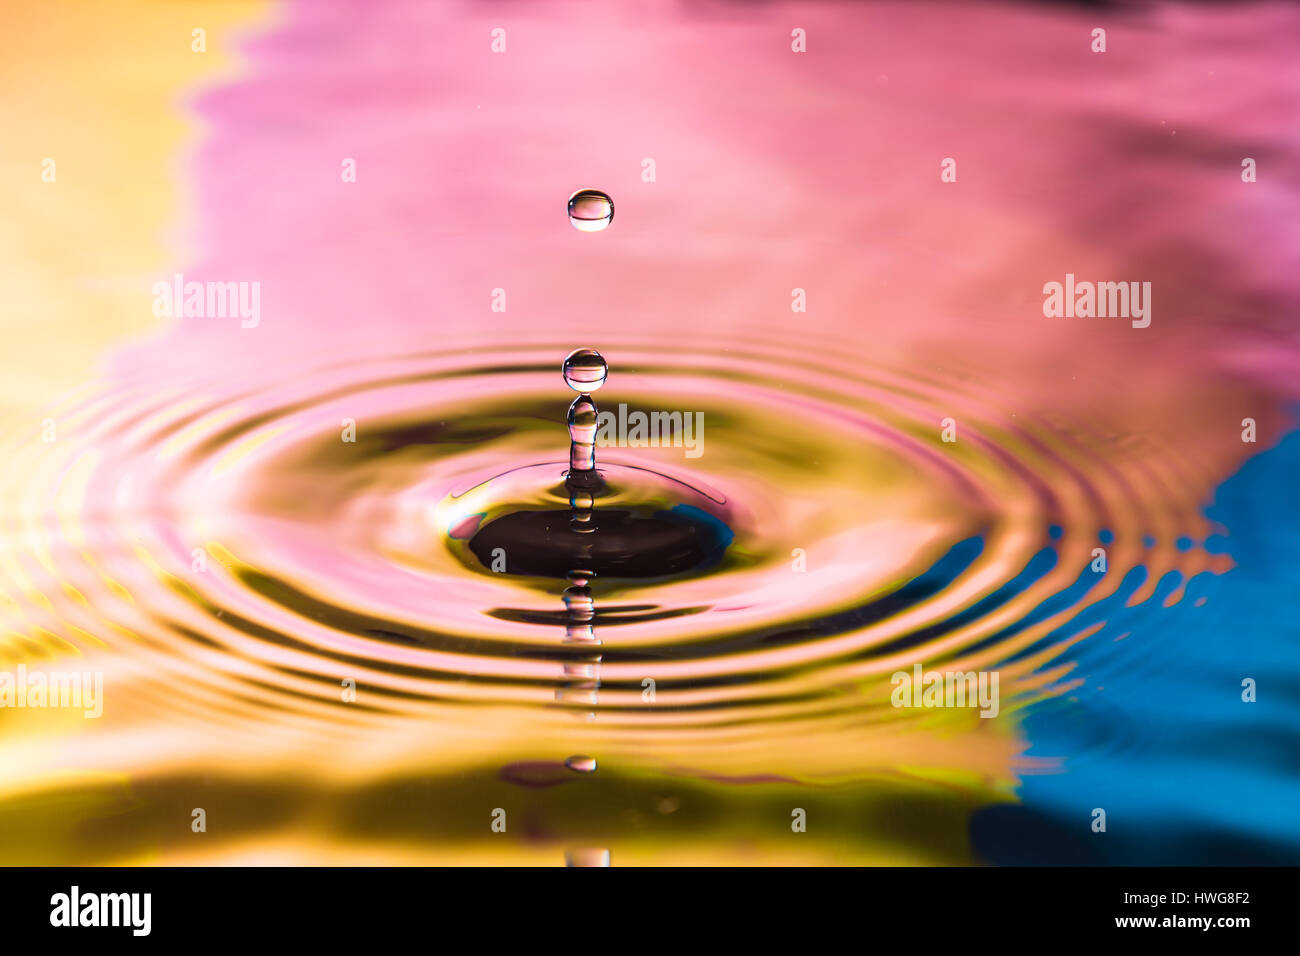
590, 210
580, 763
586, 856
585, 370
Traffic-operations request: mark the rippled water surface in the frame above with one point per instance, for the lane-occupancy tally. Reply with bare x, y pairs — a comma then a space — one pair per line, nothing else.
277, 542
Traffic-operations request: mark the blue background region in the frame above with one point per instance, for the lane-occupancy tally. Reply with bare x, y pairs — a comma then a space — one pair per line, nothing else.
1187, 772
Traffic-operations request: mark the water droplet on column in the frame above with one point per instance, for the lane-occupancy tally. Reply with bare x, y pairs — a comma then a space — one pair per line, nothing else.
580, 763
582, 433
590, 210
585, 370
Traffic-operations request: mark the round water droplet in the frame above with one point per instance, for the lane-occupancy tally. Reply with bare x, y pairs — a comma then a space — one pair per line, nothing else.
580, 763
585, 370
590, 210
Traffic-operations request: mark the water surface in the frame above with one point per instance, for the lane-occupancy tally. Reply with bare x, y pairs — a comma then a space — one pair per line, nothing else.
297, 637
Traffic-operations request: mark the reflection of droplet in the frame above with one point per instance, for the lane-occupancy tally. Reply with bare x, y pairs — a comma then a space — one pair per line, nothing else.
583, 666
580, 634
581, 502
585, 370
587, 856
587, 694
578, 600
580, 763
581, 577
590, 210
